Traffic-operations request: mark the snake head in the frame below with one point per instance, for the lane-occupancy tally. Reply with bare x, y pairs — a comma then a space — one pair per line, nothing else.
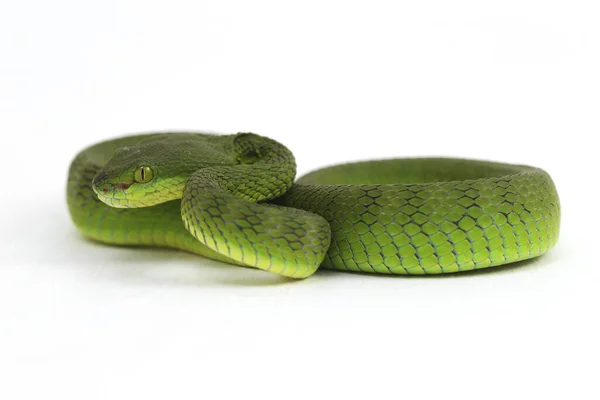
152, 172
127, 181
112, 186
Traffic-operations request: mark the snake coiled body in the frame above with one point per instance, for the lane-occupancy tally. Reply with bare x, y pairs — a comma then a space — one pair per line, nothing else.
233, 198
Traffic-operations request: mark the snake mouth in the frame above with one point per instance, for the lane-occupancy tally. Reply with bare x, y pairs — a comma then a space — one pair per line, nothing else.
115, 195
112, 191
112, 194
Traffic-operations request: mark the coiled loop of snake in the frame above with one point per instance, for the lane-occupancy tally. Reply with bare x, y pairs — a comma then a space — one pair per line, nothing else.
233, 198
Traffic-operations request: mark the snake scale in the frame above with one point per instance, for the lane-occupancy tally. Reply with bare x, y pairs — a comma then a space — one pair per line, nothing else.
233, 198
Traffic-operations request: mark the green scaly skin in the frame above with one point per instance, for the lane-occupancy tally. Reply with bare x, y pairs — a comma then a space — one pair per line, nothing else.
233, 198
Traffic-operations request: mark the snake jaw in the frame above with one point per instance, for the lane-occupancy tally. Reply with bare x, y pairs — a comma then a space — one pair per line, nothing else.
117, 195
114, 202
108, 195
112, 194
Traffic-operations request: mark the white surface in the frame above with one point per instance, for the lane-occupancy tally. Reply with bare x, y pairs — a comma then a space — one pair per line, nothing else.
513, 81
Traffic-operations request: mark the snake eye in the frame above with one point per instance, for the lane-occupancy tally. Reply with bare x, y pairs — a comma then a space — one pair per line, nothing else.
143, 174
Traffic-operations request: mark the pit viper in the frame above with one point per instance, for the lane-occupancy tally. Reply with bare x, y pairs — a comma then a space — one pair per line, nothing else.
233, 198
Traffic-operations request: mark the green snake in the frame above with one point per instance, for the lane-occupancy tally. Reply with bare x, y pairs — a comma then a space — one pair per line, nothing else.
233, 198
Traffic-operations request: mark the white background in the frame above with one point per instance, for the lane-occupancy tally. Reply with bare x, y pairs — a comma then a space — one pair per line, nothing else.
514, 81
